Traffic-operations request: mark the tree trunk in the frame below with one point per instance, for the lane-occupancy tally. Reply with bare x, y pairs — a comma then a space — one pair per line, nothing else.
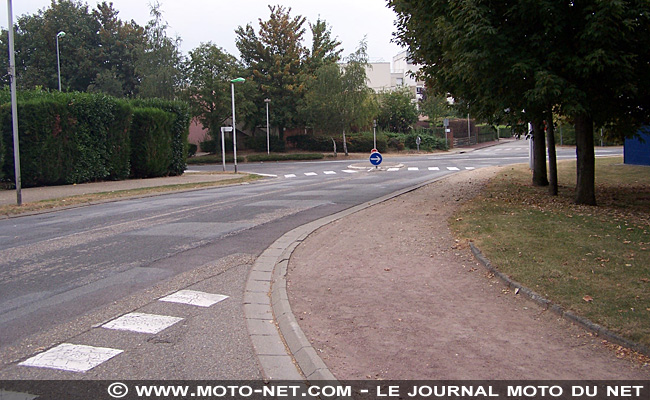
586, 165
539, 150
552, 159
345, 144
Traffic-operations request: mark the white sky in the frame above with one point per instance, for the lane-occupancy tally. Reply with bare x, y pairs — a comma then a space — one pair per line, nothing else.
197, 21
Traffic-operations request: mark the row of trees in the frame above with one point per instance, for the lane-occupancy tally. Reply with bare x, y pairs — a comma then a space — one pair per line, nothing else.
524, 61
306, 84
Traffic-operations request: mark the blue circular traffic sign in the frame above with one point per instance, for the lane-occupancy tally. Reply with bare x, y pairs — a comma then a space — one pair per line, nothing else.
376, 158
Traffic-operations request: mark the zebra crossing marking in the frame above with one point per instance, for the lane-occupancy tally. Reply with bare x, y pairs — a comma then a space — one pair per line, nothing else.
194, 298
142, 323
72, 357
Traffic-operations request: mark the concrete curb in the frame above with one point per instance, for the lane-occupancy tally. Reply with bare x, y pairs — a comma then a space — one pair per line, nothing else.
557, 309
283, 350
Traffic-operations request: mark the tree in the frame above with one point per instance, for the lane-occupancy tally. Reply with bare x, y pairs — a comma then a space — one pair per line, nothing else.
532, 57
434, 106
397, 110
324, 49
274, 56
209, 71
159, 60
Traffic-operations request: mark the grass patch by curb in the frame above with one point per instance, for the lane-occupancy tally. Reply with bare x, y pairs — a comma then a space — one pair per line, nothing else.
9, 210
594, 261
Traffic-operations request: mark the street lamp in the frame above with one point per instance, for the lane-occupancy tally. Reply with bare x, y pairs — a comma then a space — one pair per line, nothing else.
268, 142
58, 62
234, 127
374, 133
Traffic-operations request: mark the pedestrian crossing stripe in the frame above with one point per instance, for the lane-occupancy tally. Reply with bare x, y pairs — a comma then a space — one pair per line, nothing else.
72, 357
142, 323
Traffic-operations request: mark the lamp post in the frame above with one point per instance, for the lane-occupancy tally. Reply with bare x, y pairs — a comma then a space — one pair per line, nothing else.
58, 62
374, 134
268, 142
14, 102
234, 126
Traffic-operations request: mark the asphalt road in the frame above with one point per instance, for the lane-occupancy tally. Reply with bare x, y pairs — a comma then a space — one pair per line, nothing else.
65, 274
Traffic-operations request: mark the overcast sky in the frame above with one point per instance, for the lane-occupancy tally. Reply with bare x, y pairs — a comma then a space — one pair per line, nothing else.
197, 21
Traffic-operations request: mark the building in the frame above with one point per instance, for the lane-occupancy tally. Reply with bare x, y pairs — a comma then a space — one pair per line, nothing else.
382, 77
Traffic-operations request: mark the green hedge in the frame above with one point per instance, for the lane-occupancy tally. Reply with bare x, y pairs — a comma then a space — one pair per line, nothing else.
151, 142
357, 142
180, 129
284, 157
67, 138
258, 143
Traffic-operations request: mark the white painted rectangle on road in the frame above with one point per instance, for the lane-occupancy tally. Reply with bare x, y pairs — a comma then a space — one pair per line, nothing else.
349, 171
310, 174
194, 298
414, 169
469, 168
434, 168
290, 176
329, 173
453, 168
392, 169
72, 357
142, 323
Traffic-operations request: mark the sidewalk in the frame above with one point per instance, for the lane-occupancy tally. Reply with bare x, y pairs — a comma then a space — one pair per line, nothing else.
388, 293
31, 195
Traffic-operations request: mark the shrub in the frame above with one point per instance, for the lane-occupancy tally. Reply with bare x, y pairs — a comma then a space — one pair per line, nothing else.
258, 143
191, 150
68, 138
284, 157
151, 138
180, 130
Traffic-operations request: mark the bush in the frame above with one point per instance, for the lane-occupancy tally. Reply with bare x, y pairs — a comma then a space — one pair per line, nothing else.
283, 157
312, 143
151, 139
191, 150
68, 138
180, 130
258, 143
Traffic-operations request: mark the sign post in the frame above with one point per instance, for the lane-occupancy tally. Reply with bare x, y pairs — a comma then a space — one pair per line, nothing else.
223, 144
417, 142
445, 123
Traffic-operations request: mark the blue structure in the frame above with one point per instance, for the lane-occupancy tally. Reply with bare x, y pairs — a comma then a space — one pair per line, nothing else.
637, 150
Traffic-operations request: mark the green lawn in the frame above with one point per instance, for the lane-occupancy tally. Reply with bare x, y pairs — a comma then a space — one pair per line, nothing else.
594, 261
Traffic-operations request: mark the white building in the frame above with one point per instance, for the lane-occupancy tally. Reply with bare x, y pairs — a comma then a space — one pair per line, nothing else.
381, 77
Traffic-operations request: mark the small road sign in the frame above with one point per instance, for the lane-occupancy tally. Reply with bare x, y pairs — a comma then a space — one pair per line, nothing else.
376, 158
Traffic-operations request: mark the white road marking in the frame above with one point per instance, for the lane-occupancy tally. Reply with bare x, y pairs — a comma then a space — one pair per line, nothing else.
142, 323
329, 173
393, 169
290, 176
72, 357
310, 174
470, 168
453, 168
194, 298
414, 169
349, 171
434, 169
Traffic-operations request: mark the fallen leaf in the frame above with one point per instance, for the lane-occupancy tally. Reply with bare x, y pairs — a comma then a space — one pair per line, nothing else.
588, 298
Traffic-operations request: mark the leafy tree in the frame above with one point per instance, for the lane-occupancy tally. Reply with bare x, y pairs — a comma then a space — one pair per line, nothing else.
434, 106
532, 57
209, 71
397, 110
324, 49
274, 56
338, 98
159, 60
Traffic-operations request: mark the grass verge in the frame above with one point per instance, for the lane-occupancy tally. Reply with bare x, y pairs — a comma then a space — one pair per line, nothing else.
43, 205
594, 261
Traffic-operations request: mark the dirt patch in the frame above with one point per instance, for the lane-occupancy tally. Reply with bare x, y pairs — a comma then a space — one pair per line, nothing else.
388, 293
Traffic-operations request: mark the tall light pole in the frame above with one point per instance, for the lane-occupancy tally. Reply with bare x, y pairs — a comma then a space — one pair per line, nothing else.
268, 141
14, 106
234, 126
374, 134
58, 61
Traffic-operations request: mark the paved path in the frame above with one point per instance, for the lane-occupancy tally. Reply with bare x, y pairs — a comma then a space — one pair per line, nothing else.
388, 293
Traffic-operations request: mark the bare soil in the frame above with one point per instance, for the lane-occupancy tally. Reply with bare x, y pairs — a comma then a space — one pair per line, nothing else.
389, 293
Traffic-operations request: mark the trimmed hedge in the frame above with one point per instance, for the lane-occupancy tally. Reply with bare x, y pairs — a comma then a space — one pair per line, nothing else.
68, 138
180, 130
284, 157
258, 143
357, 142
151, 142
